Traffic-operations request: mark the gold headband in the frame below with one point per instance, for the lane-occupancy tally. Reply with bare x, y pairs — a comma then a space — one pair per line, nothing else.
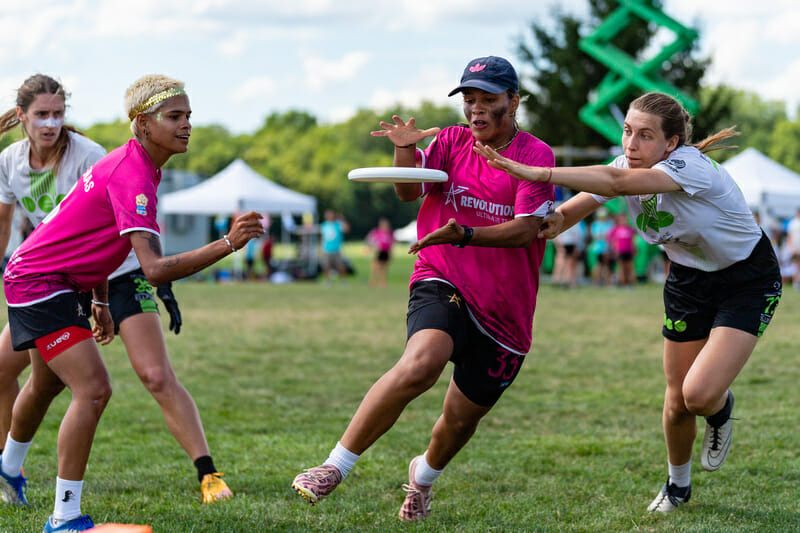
156, 98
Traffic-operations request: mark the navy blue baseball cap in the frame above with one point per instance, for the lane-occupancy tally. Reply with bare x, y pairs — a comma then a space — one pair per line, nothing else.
492, 74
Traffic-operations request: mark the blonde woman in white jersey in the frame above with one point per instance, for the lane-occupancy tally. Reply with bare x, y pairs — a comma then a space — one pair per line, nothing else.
36, 173
724, 281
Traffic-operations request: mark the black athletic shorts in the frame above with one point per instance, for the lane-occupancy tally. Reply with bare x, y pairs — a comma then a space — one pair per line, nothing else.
130, 294
742, 296
483, 369
32, 322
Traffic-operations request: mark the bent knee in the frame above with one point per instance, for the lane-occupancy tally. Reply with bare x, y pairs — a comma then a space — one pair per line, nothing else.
158, 380
421, 374
700, 401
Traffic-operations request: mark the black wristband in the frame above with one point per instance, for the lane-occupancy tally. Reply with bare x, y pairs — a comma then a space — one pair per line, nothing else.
467, 237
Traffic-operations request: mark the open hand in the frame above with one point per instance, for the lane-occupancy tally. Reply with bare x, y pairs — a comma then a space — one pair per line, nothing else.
518, 170
403, 133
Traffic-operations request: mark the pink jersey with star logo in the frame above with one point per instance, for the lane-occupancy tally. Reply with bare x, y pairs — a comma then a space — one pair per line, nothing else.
499, 284
83, 240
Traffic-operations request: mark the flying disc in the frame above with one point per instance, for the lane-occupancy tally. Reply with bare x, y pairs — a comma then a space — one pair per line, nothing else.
397, 175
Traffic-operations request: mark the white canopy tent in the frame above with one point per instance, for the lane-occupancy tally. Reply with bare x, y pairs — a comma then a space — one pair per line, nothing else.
769, 188
407, 233
237, 188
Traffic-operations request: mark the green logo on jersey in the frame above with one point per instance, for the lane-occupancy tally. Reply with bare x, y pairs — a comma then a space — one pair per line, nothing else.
43, 192
651, 217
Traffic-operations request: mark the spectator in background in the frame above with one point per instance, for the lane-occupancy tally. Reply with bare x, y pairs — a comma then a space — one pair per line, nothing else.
381, 240
599, 228
620, 239
793, 243
332, 232
570, 248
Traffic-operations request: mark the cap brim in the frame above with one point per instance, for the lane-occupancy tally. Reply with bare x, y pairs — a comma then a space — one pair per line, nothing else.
487, 86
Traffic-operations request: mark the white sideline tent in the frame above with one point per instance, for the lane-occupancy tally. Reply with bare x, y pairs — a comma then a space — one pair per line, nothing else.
769, 188
237, 188
407, 233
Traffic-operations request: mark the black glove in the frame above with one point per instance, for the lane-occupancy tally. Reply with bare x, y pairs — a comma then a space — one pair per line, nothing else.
165, 293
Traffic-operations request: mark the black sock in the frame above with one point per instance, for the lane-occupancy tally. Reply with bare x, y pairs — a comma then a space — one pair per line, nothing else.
719, 418
204, 465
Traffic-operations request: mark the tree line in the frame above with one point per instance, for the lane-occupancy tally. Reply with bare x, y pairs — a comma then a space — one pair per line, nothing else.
294, 149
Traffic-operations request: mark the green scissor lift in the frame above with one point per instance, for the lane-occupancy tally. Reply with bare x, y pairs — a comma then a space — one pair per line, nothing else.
627, 75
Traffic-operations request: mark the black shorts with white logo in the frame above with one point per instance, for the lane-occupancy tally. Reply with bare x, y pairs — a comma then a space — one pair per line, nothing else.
742, 296
483, 369
32, 322
130, 294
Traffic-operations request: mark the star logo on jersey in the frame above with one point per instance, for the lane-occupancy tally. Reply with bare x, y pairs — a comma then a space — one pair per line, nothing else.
455, 299
450, 196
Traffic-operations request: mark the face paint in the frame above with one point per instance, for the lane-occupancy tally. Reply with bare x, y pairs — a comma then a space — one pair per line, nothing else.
159, 118
51, 122
498, 114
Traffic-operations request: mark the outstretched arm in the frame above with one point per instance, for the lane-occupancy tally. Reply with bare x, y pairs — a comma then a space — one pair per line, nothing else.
568, 214
598, 179
159, 269
517, 233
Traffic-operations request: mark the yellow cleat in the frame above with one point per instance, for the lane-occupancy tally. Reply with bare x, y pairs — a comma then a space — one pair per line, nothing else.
214, 489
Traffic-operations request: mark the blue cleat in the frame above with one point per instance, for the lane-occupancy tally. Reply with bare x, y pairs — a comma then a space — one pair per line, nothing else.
82, 523
12, 489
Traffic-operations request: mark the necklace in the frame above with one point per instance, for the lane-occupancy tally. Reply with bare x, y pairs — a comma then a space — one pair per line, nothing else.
506, 145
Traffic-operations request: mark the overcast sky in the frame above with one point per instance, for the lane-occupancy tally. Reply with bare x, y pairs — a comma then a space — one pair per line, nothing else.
244, 59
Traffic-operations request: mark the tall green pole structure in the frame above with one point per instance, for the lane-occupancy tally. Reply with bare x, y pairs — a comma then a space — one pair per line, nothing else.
625, 74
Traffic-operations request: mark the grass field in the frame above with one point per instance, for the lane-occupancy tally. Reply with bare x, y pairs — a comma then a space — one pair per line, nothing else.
574, 445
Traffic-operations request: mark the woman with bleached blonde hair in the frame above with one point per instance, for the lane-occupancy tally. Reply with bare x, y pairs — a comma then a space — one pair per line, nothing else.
71, 253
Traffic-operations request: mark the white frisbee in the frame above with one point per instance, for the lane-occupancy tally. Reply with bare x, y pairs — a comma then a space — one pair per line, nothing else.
397, 175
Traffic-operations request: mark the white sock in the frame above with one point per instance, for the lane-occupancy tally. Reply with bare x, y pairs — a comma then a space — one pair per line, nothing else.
681, 475
342, 458
424, 474
13, 456
68, 499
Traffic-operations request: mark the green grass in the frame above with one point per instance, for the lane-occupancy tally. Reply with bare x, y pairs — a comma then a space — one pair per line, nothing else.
574, 445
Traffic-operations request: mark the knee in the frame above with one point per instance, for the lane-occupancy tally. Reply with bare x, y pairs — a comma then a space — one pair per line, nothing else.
699, 400
419, 374
97, 397
675, 407
157, 380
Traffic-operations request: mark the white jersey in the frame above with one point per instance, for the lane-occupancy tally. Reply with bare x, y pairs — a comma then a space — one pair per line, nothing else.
707, 225
38, 191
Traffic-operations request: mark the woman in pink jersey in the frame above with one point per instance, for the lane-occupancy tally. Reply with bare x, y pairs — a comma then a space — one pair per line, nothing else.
472, 298
621, 240
35, 174
381, 239
70, 253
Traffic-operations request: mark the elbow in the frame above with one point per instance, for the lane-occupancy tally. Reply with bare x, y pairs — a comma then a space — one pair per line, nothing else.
618, 186
154, 277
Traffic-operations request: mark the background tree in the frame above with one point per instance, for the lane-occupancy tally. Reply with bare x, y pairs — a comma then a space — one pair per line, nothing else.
558, 78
